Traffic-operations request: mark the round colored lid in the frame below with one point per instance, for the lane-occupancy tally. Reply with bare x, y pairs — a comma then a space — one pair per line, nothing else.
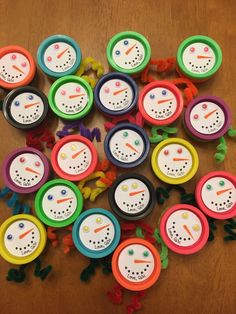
160, 103
207, 118
25, 170
22, 239
59, 55
116, 94
184, 229
96, 233
174, 161
58, 203
25, 107
132, 196
17, 67
199, 57
74, 158
70, 97
126, 145
216, 194
136, 264
128, 52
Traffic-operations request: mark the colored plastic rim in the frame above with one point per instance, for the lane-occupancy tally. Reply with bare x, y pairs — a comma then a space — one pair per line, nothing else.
199, 39
115, 75
185, 250
124, 282
164, 177
39, 203
85, 250
172, 88
198, 194
207, 137
7, 103
68, 79
7, 163
124, 35
49, 41
27, 259
77, 177
142, 213
27, 80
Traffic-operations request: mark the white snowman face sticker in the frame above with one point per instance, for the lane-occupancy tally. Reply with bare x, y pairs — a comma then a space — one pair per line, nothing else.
116, 95
96, 232
174, 160
26, 170
132, 196
26, 108
184, 228
160, 103
59, 57
74, 157
59, 203
207, 118
219, 194
199, 58
136, 263
126, 146
128, 53
14, 67
22, 238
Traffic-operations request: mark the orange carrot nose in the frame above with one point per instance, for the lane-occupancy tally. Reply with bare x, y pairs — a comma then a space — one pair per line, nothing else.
130, 49
62, 200
204, 57
223, 191
62, 53
131, 147
210, 113
31, 105
17, 69
180, 159
188, 231
77, 95
25, 233
31, 170
101, 228
78, 153
119, 91
141, 261
164, 100
135, 193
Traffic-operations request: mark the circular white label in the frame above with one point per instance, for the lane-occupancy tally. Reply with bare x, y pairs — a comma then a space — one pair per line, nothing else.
26, 170
132, 196
22, 238
96, 232
14, 67
184, 228
219, 194
116, 95
59, 57
128, 53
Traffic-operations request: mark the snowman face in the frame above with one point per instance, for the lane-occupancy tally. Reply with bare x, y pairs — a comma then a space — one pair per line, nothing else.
219, 194
74, 157
132, 196
184, 228
128, 53
136, 263
126, 146
59, 57
116, 95
96, 232
59, 203
207, 118
199, 58
22, 238
174, 160
14, 67
71, 98
26, 170
160, 103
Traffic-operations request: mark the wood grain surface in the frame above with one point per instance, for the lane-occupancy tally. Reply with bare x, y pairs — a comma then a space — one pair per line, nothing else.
202, 283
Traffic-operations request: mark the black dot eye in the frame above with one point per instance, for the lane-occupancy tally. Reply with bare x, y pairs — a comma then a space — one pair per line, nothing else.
126, 42
164, 92
30, 97
9, 237
17, 103
50, 197
21, 225
63, 192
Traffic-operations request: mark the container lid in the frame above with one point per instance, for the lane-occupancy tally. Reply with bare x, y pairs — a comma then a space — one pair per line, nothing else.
17, 67
96, 233
216, 195
59, 55
174, 161
23, 238
160, 103
136, 264
74, 158
70, 97
184, 229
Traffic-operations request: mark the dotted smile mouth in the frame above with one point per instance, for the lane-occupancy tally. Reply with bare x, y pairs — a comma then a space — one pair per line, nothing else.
194, 67
63, 211
138, 55
10, 75
141, 272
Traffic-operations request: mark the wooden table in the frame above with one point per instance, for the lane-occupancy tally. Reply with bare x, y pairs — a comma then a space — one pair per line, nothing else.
204, 282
